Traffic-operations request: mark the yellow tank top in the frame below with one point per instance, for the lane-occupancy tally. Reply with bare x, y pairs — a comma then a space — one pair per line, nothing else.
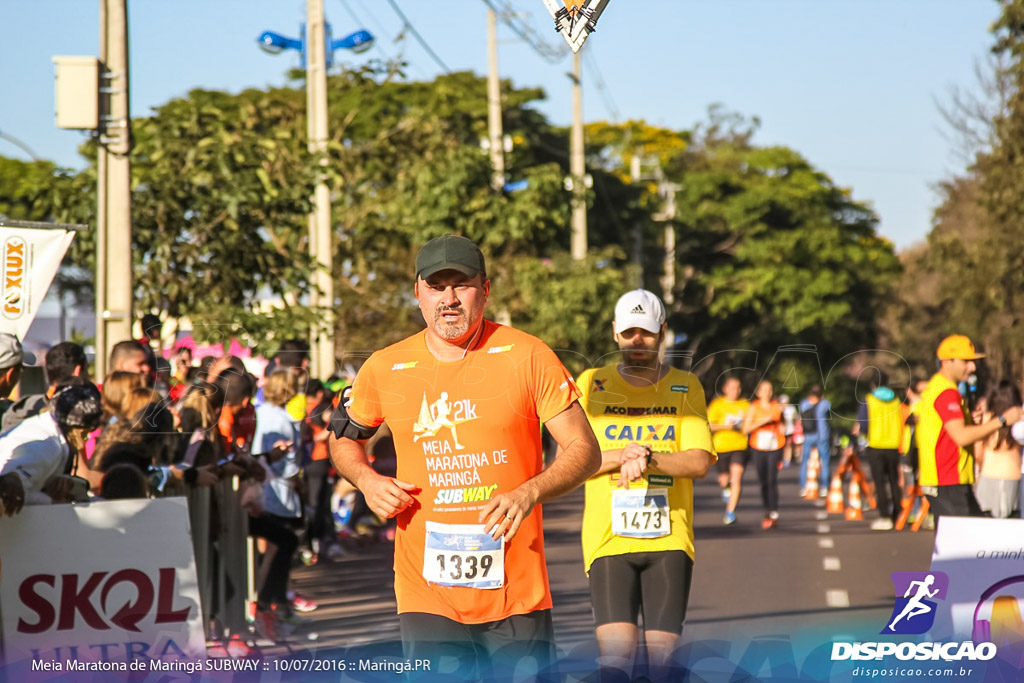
929, 428
885, 423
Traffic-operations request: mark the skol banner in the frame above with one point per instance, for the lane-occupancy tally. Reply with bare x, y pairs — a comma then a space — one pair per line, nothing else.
29, 258
98, 587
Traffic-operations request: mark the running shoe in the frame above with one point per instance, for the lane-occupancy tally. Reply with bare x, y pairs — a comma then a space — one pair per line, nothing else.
288, 616
773, 515
767, 523
730, 517
301, 604
882, 524
265, 623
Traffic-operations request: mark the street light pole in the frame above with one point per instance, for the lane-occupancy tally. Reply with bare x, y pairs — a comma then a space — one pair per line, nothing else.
320, 242
494, 128
577, 165
114, 293
318, 55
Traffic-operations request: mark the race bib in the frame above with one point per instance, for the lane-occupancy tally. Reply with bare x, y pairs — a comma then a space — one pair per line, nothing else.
638, 513
766, 440
463, 555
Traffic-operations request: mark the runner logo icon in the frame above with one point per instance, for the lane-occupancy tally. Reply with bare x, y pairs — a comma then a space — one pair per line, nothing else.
443, 414
916, 592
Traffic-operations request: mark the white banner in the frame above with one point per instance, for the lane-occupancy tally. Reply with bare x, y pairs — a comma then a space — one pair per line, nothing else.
984, 560
111, 582
29, 258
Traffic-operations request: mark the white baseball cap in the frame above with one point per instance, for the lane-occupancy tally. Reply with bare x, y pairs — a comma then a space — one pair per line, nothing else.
639, 308
12, 353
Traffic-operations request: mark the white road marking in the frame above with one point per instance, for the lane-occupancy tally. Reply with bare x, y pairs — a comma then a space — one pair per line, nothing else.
837, 598
824, 529
821, 515
831, 564
826, 543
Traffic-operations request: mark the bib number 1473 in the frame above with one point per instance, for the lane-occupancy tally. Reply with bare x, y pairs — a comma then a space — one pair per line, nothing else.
641, 513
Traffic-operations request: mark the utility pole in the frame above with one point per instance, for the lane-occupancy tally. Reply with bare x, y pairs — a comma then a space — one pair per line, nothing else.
320, 242
114, 292
494, 129
577, 165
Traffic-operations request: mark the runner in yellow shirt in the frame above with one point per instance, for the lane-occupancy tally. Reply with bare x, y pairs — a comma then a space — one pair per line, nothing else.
725, 416
650, 420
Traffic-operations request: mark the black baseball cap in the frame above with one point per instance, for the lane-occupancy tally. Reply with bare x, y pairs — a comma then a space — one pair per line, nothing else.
78, 405
450, 252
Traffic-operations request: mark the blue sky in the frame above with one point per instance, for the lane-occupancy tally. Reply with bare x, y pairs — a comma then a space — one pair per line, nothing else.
852, 85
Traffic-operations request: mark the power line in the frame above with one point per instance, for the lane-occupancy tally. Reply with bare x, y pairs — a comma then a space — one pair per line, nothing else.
602, 88
551, 53
416, 34
359, 22
351, 14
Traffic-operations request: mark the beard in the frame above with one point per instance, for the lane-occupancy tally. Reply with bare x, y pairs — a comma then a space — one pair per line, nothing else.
450, 329
633, 357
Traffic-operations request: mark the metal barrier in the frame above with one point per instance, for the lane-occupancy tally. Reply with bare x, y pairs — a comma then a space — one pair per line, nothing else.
220, 538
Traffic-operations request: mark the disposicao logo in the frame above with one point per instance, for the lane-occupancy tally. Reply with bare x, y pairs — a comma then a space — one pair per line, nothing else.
913, 614
916, 595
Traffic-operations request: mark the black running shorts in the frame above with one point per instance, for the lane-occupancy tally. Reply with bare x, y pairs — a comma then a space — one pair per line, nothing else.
657, 583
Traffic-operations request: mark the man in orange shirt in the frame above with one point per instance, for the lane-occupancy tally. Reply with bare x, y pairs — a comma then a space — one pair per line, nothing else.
465, 399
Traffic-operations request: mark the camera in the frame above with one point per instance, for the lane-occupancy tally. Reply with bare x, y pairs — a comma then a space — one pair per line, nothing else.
79, 490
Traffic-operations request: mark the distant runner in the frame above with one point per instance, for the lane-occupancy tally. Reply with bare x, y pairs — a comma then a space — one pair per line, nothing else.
725, 417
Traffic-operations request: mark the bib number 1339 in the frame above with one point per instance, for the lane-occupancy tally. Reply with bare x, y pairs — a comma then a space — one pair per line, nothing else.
463, 555
641, 513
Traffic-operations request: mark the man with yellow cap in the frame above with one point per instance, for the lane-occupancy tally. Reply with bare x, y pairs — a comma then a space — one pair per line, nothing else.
945, 431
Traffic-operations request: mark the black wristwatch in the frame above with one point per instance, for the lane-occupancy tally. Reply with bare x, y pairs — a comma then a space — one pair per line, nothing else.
650, 453
1002, 420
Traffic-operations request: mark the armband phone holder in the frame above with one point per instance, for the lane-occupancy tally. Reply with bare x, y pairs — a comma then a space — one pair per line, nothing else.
343, 426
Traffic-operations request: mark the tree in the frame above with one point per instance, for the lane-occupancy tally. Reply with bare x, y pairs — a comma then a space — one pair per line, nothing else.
974, 251
771, 252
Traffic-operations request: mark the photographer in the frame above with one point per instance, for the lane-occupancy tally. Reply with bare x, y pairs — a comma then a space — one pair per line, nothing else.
43, 450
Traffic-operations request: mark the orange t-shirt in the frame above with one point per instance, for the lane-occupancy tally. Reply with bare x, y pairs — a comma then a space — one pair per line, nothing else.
770, 437
237, 430
465, 431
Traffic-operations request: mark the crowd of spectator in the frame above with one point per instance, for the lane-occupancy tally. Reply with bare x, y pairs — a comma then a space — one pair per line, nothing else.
161, 427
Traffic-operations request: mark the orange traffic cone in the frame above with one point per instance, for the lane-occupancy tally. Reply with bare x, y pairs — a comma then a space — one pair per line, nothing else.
869, 493
906, 505
835, 496
813, 470
853, 509
922, 514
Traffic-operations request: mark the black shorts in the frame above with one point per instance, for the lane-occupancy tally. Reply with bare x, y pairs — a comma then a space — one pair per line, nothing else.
656, 582
956, 500
488, 651
729, 458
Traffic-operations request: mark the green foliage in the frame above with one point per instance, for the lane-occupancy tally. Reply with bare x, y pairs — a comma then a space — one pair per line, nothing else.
769, 251
569, 304
974, 256
221, 188
773, 253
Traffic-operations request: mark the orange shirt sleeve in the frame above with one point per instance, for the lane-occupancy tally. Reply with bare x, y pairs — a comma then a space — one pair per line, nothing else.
553, 387
365, 406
